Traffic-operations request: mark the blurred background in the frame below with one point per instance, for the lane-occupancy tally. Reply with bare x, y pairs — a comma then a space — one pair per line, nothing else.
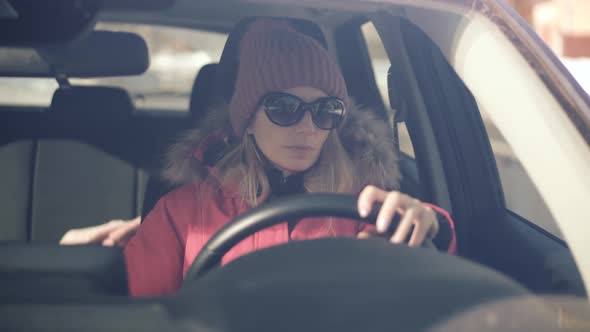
564, 25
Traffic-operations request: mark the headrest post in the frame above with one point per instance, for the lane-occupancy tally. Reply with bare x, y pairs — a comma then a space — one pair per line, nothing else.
62, 81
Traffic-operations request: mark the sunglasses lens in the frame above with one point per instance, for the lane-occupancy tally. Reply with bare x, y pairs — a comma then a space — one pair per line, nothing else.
328, 114
282, 109
286, 110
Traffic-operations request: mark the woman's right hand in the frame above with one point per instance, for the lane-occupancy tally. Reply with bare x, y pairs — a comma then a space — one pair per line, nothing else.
114, 232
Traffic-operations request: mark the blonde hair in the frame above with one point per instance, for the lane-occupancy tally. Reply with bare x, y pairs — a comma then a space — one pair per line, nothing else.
243, 164
367, 158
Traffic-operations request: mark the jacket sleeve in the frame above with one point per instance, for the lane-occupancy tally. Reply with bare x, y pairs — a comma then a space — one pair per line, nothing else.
154, 256
445, 240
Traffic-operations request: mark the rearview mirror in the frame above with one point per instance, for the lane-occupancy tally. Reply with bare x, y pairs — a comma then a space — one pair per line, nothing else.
98, 54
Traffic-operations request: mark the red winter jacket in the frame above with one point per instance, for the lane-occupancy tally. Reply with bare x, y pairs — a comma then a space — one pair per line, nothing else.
180, 224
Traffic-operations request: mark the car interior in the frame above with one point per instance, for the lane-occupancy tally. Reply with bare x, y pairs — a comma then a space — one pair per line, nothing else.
92, 156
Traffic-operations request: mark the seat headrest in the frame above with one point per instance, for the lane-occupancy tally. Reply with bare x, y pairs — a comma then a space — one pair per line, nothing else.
203, 91
91, 101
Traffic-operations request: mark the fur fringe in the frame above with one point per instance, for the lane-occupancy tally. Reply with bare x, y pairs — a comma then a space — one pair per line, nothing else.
368, 140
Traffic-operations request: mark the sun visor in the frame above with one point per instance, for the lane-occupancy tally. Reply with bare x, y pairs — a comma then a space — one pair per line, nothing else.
100, 54
32, 23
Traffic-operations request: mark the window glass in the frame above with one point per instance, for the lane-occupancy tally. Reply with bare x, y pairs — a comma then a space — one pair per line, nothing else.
380, 64
520, 193
19, 91
176, 55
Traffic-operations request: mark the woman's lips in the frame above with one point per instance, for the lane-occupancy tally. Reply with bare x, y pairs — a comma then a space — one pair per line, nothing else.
301, 148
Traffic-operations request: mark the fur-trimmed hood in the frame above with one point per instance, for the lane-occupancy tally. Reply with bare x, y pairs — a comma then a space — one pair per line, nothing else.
367, 139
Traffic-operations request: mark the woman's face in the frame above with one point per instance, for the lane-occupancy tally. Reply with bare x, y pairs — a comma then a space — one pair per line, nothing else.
295, 148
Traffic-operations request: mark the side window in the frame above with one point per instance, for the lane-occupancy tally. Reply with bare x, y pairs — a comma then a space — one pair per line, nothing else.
380, 64
520, 192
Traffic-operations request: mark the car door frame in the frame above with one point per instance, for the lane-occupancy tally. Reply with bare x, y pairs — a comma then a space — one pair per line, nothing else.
487, 231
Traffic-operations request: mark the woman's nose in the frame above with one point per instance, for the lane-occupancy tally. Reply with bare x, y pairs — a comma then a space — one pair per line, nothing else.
306, 125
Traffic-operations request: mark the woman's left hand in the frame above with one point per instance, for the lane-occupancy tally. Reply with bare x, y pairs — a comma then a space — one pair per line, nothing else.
415, 216
114, 232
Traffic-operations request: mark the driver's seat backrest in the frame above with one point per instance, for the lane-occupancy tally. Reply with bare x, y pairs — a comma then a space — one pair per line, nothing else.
202, 95
203, 92
217, 87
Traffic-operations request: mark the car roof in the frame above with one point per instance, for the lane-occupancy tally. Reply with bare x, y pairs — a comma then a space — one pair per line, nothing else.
216, 16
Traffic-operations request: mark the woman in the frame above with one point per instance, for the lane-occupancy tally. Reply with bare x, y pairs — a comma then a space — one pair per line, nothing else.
289, 128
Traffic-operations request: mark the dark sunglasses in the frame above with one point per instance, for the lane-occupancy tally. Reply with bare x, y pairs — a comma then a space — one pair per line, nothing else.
284, 109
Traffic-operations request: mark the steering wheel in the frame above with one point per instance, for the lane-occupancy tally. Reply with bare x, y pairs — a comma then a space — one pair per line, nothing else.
272, 213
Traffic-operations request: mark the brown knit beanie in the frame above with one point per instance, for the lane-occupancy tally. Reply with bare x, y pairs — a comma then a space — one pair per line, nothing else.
275, 57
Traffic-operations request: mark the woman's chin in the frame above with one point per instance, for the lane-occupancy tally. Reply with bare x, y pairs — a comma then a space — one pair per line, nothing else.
296, 166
